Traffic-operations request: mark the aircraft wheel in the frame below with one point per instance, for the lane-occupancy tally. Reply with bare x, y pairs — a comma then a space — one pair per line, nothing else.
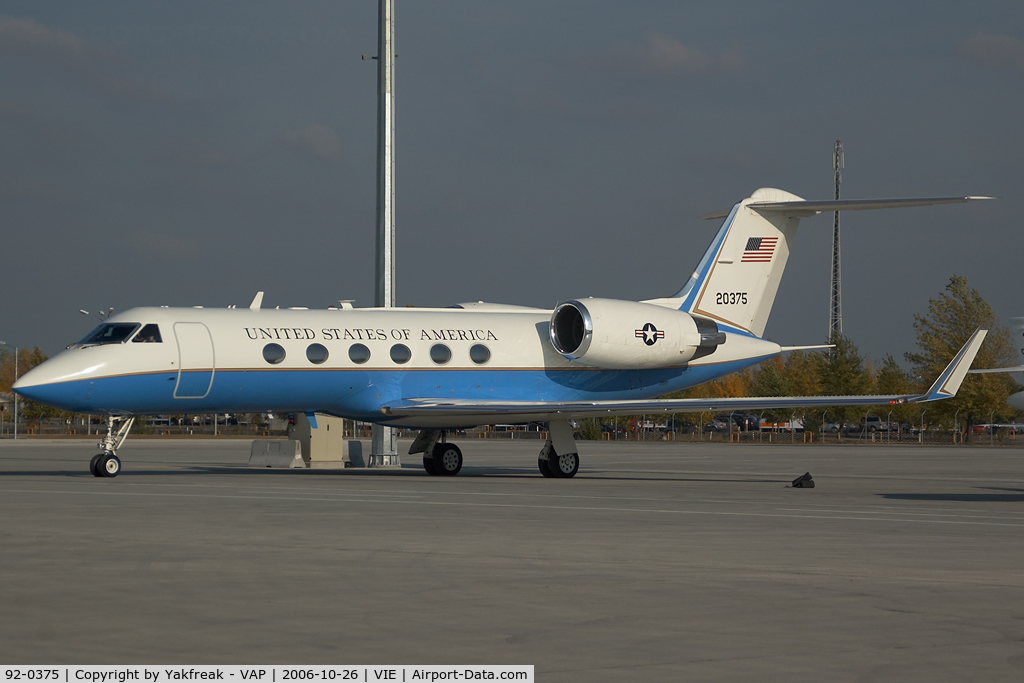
429, 464
447, 459
94, 465
108, 466
542, 465
564, 466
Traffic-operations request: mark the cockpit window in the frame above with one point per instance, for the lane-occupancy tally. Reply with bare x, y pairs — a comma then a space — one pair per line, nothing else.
110, 333
149, 334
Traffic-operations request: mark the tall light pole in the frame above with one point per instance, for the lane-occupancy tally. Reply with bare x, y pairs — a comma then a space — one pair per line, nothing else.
14, 395
383, 447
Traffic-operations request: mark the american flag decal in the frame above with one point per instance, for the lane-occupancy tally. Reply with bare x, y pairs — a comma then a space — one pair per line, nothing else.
759, 250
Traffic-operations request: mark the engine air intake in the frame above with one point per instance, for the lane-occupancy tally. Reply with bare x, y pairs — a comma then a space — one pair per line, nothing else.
570, 328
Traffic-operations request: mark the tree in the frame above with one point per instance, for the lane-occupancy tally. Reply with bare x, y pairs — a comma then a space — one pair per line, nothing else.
893, 379
770, 380
803, 378
842, 373
952, 318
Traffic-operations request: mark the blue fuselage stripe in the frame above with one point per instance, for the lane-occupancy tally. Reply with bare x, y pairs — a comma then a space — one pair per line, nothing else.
360, 394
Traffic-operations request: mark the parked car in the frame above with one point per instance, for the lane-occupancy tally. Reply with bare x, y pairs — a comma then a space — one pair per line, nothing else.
719, 423
872, 424
741, 422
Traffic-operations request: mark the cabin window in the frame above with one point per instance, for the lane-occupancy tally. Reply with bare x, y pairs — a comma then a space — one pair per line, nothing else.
273, 353
316, 353
440, 354
479, 354
110, 333
358, 353
400, 353
150, 334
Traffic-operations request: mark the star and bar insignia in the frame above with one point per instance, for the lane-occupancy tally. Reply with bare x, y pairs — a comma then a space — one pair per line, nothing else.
650, 334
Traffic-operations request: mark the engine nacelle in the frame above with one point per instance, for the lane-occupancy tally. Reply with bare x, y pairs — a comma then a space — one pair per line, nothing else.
628, 335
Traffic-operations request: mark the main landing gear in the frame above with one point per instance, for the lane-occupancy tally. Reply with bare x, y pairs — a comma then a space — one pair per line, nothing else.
440, 458
106, 463
558, 459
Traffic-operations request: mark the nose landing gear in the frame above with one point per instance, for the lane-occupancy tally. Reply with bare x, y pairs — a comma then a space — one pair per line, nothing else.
106, 463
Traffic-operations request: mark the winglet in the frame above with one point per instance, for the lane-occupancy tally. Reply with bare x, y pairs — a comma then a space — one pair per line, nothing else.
257, 301
949, 381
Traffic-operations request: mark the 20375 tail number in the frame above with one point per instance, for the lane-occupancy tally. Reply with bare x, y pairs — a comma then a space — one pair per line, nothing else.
729, 298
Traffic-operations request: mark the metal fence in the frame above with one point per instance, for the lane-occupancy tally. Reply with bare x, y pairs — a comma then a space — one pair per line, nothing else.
999, 437
203, 425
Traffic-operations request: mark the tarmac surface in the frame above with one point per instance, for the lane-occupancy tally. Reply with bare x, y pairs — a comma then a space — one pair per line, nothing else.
658, 562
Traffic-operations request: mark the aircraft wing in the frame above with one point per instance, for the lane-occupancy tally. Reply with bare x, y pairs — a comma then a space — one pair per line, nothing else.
485, 412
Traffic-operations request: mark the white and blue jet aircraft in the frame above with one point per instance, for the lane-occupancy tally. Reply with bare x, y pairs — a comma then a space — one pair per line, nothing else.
473, 364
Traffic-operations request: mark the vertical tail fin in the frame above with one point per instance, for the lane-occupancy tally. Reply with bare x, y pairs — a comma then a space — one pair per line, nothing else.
737, 279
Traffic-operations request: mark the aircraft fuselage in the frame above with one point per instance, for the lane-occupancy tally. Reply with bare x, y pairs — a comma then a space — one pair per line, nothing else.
346, 362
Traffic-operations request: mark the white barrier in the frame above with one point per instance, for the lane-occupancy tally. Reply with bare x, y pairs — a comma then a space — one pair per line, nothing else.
276, 453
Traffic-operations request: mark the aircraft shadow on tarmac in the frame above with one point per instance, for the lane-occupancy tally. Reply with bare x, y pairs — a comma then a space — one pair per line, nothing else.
410, 471
407, 471
67, 474
474, 472
1017, 497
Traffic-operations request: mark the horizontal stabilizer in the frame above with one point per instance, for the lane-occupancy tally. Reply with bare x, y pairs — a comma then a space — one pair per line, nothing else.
985, 371
812, 208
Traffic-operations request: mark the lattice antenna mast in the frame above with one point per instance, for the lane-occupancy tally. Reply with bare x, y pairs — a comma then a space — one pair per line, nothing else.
835, 315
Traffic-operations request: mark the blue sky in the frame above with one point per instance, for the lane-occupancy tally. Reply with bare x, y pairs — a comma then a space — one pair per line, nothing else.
193, 153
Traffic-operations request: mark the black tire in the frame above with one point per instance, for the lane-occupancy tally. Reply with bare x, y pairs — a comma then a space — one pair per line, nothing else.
94, 465
428, 464
447, 459
109, 466
542, 465
564, 466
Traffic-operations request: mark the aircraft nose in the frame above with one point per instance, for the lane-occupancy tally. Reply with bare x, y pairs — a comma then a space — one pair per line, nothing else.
30, 384
53, 382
